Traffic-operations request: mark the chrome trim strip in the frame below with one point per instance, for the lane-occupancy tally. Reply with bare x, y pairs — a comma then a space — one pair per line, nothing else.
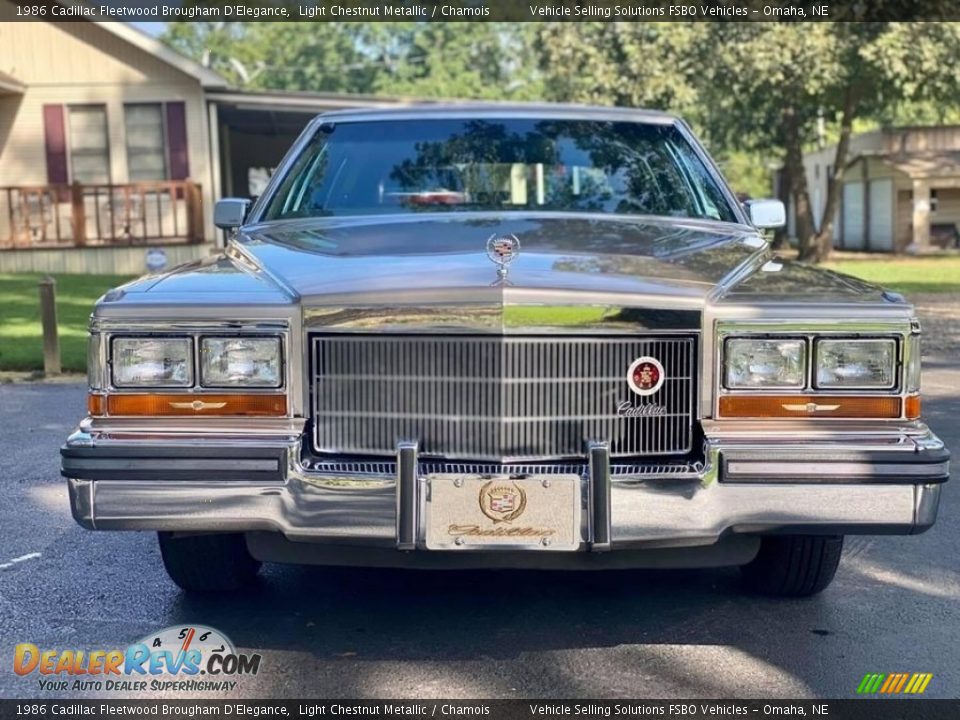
208, 429
647, 471
407, 481
599, 454
144, 464
783, 470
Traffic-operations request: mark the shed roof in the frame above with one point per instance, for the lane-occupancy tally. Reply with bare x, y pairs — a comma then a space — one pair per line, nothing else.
924, 164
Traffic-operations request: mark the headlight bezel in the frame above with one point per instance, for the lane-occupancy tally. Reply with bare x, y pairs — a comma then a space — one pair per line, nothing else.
106, 375
281, 362
804, 362
811, 342
813, 402
896, 369
140, 387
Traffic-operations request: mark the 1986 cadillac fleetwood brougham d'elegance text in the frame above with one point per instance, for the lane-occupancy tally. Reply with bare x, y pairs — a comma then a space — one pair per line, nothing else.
503, 336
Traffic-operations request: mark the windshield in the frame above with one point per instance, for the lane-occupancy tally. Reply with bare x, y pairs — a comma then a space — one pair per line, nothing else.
454, 165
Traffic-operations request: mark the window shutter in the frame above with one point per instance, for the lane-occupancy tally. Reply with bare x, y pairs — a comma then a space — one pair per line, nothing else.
177, 141
55, 139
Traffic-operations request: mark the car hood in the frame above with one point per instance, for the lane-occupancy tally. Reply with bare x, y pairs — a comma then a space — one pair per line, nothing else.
431, 259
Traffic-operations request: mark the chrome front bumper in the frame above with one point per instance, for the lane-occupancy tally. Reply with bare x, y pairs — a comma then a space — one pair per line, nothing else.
748, 483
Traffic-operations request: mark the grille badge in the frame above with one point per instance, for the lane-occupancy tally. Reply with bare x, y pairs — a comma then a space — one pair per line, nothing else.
645, 376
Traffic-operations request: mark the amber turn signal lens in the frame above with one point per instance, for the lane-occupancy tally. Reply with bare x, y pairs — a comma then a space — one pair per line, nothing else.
808, 406
271, 405
94, 404
911, 407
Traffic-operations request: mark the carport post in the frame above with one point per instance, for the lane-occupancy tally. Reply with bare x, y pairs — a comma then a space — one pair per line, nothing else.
48, 319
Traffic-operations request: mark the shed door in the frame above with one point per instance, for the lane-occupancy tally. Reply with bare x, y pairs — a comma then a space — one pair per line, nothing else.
853, 216
881, 215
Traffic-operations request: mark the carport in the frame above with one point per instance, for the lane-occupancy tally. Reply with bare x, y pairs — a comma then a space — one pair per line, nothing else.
252, 130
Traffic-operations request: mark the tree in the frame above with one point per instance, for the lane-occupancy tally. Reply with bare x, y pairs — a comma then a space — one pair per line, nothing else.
328, 57
652, 65
494, 61
414, 59
768, 84
633, 64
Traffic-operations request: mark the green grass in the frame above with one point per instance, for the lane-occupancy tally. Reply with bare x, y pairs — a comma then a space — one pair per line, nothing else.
21, 341
907, 275
559, 316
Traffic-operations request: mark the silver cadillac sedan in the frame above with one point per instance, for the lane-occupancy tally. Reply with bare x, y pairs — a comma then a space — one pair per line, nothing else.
503, 336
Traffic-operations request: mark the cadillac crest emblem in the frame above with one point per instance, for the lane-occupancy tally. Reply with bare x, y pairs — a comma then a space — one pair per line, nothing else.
503, 250
502, 502
645, 376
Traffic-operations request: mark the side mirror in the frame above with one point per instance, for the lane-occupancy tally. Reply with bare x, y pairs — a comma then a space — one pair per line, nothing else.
766, 213
230, 213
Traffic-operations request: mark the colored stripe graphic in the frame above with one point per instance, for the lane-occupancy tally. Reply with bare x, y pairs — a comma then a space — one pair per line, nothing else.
870, 683
894, 683
918, 683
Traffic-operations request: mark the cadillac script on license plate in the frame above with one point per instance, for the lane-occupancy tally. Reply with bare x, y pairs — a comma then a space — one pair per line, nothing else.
501, 511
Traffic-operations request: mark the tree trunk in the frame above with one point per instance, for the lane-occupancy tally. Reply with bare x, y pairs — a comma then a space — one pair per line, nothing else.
781, 236
803, 211
824, 239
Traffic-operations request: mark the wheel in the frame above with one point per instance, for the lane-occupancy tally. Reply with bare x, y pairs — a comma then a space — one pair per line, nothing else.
794, 565
208, 563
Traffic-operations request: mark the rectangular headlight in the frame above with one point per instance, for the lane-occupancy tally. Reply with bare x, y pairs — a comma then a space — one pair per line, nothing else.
856, 363
152, 362
240, 362
756, 364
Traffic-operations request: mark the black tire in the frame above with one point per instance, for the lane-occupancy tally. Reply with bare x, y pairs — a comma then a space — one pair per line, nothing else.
794, 565
208, 563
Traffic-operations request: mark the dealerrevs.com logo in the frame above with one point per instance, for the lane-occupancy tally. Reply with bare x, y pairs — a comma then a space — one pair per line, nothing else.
176, 659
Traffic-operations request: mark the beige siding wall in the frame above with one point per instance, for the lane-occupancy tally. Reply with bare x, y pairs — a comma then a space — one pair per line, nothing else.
96, 261
81, 63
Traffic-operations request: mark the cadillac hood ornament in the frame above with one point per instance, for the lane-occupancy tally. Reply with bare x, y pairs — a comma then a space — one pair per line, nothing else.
503, 250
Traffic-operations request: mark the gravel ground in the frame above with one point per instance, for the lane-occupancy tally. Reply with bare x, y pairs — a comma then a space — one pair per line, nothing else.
940, 316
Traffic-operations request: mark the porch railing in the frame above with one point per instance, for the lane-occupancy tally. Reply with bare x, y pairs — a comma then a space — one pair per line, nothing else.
95, 215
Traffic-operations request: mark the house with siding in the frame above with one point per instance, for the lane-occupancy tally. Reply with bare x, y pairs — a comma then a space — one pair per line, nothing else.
900, 191
112, 144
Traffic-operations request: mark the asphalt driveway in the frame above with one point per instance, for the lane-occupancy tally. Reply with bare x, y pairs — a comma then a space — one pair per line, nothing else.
893, 607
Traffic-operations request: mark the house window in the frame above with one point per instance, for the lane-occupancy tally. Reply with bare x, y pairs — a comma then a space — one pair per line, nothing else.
934, 201
89, 147
146, 146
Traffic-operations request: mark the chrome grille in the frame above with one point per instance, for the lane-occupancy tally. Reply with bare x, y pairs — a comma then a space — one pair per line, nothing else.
502, 399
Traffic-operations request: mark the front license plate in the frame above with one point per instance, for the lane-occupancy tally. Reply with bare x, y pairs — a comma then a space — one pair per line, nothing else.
466, 512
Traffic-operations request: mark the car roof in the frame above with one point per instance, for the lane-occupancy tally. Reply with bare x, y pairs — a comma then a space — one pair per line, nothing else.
419, 111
